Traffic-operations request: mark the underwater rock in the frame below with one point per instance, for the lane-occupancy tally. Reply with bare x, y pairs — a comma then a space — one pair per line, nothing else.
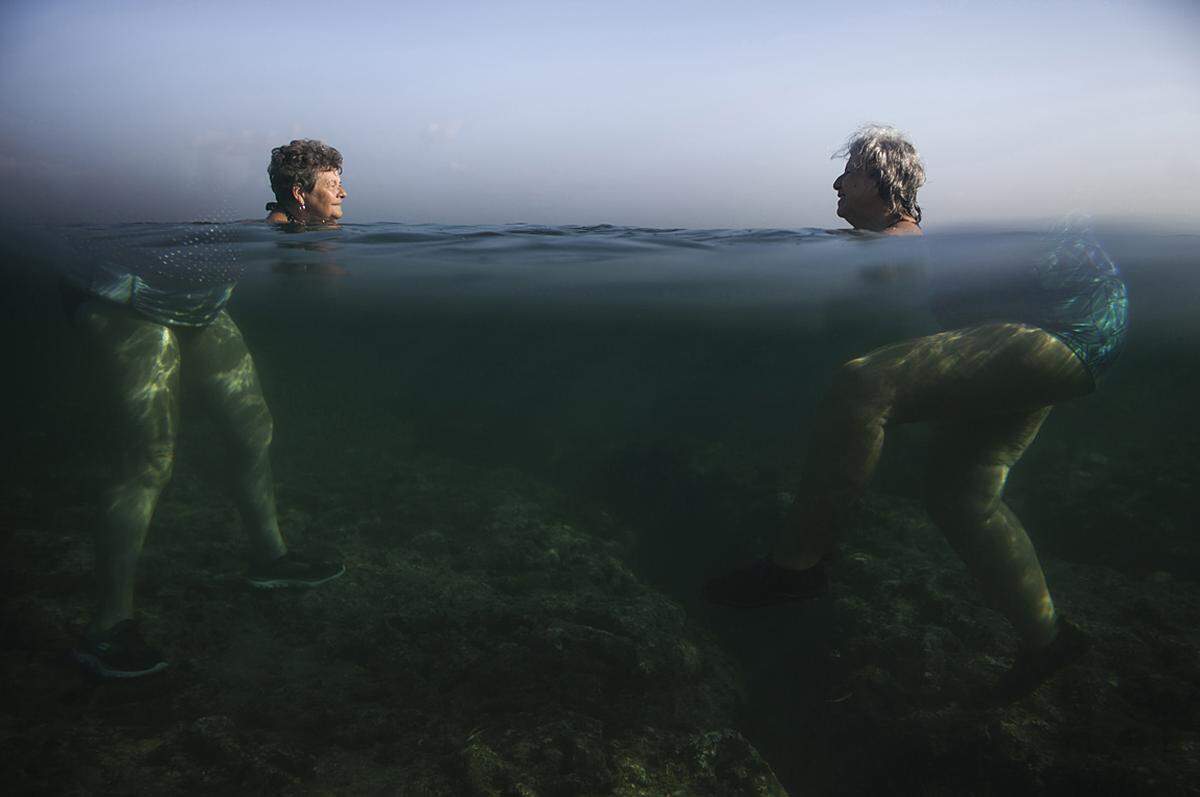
495, 649
918, 652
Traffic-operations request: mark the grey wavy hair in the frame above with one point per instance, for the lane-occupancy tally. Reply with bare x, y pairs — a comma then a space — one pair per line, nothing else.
887, 155
299, 163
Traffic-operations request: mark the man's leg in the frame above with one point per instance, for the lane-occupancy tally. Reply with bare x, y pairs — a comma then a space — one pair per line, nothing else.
973, 373
968, 469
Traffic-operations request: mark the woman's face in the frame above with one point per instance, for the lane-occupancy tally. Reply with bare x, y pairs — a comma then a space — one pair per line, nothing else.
859, 201
324, 201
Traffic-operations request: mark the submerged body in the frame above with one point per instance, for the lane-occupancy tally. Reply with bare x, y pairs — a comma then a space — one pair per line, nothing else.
155, 326
987, 384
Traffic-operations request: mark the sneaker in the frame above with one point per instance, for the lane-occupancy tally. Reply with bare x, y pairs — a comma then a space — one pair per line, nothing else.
119, 652
291, 570
764, 583
1034, 665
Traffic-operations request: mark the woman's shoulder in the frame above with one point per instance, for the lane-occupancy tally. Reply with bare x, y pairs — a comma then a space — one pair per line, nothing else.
275, 214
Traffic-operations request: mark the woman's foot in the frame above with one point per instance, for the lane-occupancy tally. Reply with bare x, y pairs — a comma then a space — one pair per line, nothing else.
293, 570
765, 583
119, 652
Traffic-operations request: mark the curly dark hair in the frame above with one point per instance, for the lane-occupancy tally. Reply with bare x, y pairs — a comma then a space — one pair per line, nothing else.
299, 163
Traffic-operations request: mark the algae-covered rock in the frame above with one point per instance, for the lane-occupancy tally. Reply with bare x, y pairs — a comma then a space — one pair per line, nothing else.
491, 645
918, 653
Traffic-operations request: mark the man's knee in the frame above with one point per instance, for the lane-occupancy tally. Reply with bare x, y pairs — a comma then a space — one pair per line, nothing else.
964, 498
858, 388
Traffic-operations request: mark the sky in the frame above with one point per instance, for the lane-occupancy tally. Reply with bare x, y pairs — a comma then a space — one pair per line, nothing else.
664, 114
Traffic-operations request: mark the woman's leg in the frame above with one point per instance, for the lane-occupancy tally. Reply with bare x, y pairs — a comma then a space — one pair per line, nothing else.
219, 368
138, 362
968, 468
978, 372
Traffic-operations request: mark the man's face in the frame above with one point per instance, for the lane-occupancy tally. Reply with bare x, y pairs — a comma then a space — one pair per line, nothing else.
324, 201
859, 201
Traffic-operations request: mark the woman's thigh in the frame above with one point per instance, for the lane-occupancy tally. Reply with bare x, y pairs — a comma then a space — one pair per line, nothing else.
137, 363
219, 369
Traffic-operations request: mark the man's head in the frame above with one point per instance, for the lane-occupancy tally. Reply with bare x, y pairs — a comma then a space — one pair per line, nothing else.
879, 186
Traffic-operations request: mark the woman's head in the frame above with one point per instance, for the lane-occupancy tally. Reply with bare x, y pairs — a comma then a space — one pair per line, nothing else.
883, 159
306, 178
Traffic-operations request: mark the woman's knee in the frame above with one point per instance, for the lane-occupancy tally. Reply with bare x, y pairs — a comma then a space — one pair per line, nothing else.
150, 462
251, 432
264, 430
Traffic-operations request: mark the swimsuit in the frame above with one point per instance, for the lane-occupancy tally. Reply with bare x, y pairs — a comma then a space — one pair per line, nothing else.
188, 286
1074, 292
1083, 302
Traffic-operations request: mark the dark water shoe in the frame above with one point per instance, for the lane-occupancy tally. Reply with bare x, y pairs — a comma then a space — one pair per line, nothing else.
764, 583
1034, 665
119, 652
292, 570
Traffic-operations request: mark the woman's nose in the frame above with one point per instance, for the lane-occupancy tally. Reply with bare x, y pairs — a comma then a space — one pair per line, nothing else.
837, 184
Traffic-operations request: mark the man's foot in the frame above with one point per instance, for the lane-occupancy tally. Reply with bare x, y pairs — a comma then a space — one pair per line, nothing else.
119, 652
1034, 665
764, 583
292, 570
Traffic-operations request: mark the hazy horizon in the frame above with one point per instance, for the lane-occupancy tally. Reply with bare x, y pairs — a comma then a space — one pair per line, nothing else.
669, 115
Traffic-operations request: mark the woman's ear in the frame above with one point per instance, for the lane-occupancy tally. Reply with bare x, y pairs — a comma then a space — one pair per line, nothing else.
298, 195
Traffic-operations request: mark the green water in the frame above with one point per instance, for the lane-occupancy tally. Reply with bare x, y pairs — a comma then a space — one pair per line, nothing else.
481, 412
